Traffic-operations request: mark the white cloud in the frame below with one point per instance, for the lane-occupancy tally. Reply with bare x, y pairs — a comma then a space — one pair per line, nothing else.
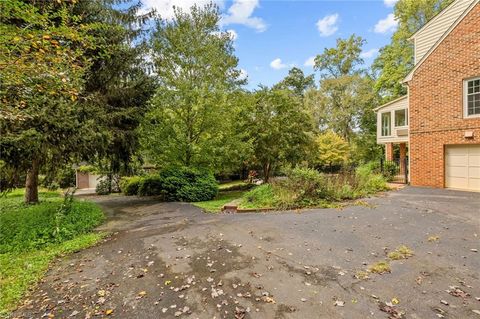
369, 54
240, 12
243, 74
328, 25
277, 64
165, 7
233, 34
386, 25
390, 3
310, 61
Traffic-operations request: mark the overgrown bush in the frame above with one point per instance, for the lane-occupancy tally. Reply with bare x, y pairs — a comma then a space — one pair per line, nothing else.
261, 196
150, 185
129, 185
305, 187
103, 187
25, 227
389, 171
174, 184
190, 185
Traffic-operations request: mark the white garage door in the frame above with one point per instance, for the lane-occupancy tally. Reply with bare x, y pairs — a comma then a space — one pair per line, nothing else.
462, 167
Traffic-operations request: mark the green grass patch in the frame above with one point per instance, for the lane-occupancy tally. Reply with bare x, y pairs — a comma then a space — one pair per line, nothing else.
26, 227
216, 204
19, 271
234, 186
31, 236
262, 196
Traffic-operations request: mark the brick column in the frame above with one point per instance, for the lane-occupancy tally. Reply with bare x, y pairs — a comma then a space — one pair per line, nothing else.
403, 155
389, 151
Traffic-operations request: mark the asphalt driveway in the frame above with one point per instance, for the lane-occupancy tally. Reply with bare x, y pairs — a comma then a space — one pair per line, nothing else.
170, 260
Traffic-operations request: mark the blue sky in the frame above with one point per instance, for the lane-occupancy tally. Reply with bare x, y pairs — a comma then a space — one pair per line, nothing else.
271, 36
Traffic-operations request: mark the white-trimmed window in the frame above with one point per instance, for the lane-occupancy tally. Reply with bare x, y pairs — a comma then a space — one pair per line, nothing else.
472, 97
401, 117
386, 123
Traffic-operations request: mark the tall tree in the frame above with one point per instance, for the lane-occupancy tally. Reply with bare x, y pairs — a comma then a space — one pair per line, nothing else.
297, 82
395, 60
118, 78
345, 94
197, 71
43, 118
279, 129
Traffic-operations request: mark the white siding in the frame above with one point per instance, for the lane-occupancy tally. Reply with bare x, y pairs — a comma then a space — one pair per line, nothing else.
426, 38
399, 104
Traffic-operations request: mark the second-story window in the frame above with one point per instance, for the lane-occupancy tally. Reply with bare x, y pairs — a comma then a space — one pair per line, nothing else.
401, 117
386, 123
472, 97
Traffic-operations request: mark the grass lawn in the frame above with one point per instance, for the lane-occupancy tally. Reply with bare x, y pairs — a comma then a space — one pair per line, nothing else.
232, 184
32, 236
216, 204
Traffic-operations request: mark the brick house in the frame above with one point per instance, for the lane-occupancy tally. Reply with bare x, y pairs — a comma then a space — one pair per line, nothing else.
437, 124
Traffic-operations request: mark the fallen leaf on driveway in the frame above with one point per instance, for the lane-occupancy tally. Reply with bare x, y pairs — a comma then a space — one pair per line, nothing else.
457, 292
393, 312
268, 299
108, 312
339, 303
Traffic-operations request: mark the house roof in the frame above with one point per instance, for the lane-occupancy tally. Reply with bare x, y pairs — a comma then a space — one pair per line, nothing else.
391, 102
440, 40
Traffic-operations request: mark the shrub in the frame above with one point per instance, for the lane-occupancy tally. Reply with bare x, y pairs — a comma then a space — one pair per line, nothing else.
150, 186
262, 196
129, 185
25, 227
186, 184
103, 187
305, 187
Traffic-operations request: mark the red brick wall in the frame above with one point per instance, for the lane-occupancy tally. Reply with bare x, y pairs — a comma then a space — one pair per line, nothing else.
436, 101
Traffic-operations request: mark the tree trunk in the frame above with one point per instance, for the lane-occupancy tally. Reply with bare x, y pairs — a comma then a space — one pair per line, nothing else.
31, 183
266, 172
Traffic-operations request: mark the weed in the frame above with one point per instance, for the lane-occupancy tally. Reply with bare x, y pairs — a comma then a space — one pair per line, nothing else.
380, 267
402, 252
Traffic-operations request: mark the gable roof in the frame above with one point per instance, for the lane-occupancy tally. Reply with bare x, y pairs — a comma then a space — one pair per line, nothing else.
391, 102
440, 40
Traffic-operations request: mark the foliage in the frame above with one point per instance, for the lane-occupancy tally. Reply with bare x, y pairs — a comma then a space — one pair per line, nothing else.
16, 279
395, 60
129, 185
344, 99
262, 196
176, 184
42, 64
118, 79
216, 204
186, 184
390, 169
190, 116
297, 82
332, 149
24, 227
103, 187
235, 186
305, 187
278, 127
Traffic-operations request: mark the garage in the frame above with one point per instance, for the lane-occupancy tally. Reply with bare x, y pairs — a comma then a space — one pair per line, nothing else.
462, 167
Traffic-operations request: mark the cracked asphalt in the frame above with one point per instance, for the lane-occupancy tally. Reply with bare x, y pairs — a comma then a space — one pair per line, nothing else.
171, 260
